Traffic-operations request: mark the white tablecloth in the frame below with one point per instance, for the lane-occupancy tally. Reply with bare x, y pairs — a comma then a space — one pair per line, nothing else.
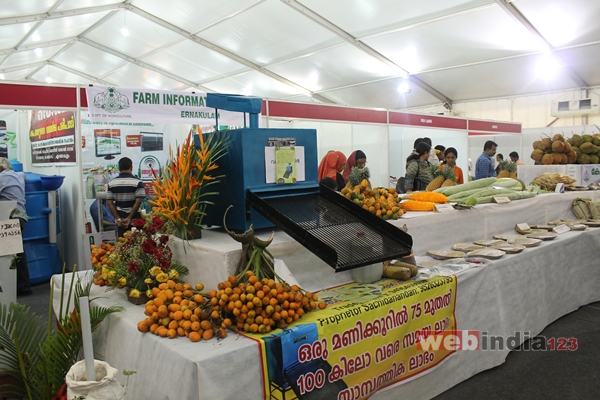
522, 292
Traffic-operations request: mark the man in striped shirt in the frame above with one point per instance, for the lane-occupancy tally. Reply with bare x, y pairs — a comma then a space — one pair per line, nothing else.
124, 196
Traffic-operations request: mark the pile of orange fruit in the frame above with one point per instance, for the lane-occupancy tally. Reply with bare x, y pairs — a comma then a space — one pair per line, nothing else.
383, 203
253, 306
257, 306
177, 309
100, 256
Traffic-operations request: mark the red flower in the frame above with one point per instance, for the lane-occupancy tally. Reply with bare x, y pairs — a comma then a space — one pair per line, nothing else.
164, 239
139, 223
148, 246
165, 264
133, 267
157, 223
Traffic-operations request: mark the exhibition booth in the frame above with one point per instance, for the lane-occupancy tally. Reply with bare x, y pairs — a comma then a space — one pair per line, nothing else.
516, 295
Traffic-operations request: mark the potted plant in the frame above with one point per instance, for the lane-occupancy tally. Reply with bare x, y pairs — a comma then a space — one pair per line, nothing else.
38, 357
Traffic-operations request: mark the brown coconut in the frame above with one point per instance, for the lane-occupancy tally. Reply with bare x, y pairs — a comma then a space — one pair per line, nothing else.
537, 155
558, 137
538, 144
567, 147
558, 146
557, 158
547, 159
565, 159
547, 143
571, 157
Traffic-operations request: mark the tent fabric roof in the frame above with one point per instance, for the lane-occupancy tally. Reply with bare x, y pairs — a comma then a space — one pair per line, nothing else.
347, 52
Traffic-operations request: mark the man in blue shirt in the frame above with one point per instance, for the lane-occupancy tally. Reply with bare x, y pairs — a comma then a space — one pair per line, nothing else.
109, 222
484, 167
12, 187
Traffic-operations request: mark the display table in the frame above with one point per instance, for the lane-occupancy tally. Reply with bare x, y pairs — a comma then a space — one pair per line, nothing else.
517, 293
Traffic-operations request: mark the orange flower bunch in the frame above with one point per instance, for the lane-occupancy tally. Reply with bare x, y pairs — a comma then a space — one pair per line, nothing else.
179, 195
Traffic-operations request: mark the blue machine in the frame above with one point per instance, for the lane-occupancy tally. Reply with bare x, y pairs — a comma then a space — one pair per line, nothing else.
244, 166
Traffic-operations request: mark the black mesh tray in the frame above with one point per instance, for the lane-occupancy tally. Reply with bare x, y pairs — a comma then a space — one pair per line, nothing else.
335, 229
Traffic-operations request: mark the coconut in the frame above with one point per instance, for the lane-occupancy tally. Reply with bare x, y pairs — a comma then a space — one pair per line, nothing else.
587, 147
583, 159
571, 157
565, 159
594, 159
537, 155
587, 138
576, 150
576, 140
547, 143
558, 146
558, 137
596, 140
547, 159
538, 144
567, 147
557, 158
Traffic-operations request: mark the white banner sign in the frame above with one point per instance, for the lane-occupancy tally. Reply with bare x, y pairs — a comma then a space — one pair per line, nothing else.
124, 104
11, 241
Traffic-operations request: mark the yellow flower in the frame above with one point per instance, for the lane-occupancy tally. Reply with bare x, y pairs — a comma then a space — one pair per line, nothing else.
112, 274
162, 277
122, 281
173, 274
105, 272
149, 293
155, 270
134, 293
148, 281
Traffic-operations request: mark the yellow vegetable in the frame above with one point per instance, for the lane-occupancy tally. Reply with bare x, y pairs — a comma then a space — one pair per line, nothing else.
432, 197
414, 205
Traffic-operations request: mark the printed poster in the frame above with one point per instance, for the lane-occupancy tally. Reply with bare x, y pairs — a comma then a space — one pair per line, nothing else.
52, 137
365, 340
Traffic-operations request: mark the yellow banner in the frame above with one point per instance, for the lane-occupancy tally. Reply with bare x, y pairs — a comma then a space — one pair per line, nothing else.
365, 340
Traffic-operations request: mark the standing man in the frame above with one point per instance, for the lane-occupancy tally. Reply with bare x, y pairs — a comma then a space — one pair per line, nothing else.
12, 187
484, 167
125, 195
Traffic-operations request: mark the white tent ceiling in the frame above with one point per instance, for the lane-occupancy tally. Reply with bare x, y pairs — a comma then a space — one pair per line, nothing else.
348, 52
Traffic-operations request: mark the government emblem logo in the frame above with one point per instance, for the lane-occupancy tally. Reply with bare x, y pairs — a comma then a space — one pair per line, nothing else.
111, 101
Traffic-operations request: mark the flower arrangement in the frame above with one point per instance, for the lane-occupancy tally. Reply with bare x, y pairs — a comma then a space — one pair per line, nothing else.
180, 195
142, 259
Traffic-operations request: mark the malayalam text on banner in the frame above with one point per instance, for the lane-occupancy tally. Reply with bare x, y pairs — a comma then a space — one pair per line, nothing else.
365, 340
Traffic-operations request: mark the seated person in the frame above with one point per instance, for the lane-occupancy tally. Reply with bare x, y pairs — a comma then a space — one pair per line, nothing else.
109, 223
329, 182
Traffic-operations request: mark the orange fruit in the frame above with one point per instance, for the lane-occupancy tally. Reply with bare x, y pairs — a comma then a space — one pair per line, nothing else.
194, 336
142, 326
195, 326
205, 325
162, 311
178, 315
207, 335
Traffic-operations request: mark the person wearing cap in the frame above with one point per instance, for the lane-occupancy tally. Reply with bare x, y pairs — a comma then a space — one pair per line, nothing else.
125, 195
12, 187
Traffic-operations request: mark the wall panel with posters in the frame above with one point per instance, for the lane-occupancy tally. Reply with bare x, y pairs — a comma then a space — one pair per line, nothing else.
52, 137
105, 143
